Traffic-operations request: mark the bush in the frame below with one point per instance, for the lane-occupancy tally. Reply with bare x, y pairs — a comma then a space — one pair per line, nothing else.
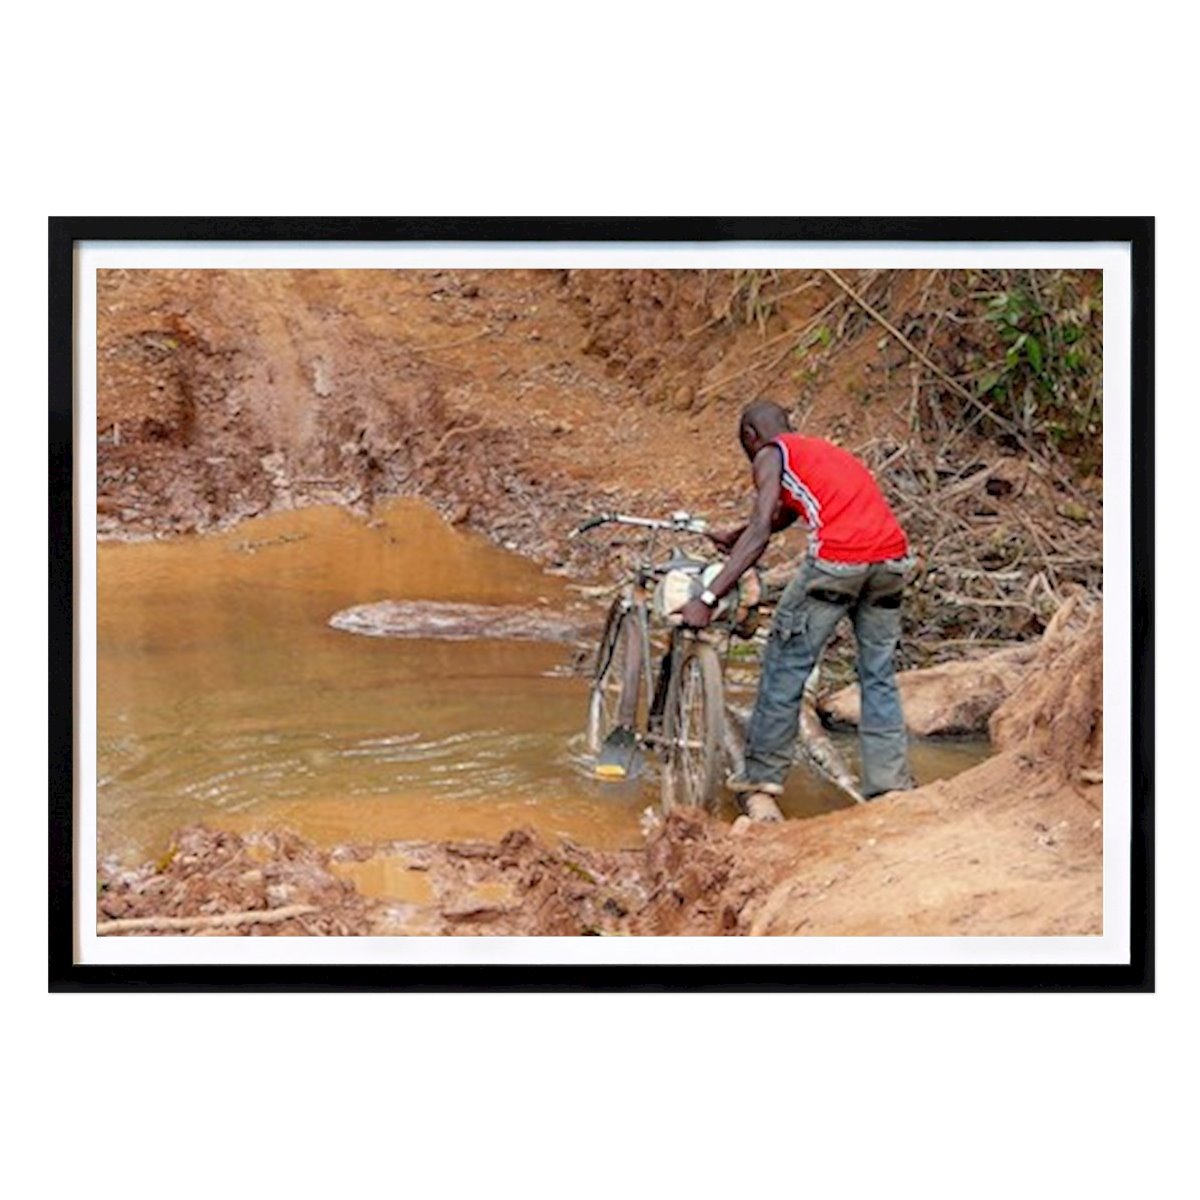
1037, 357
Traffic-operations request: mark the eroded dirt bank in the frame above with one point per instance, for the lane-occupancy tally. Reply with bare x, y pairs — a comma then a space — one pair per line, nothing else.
518, 403
227, 394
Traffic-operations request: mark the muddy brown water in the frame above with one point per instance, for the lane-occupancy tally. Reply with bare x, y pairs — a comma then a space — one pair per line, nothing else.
224, 696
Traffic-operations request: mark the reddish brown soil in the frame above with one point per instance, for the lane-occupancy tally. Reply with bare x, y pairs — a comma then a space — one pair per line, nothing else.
206, 873
1011, 847
518, 403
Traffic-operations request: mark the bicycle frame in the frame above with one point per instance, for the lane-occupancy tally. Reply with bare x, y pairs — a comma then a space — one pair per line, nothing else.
662, 675
656, 679
661, 681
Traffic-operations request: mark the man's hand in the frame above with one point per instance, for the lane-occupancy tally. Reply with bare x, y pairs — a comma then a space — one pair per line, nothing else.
695, 614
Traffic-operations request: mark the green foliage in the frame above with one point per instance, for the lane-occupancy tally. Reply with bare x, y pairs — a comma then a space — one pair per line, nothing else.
1041, 351
821, 336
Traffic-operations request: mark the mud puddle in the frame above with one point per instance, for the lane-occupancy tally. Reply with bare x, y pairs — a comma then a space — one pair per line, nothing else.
224, 697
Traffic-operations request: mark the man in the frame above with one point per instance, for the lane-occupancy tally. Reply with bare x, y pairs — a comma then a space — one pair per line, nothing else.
855, 566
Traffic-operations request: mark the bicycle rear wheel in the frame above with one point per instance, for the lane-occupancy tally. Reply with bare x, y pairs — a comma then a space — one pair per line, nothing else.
618, 669
694, 730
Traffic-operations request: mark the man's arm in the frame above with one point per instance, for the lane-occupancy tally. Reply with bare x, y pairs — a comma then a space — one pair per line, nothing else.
747, 550
782, 519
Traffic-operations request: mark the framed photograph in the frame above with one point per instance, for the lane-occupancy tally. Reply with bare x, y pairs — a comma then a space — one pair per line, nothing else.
600, 604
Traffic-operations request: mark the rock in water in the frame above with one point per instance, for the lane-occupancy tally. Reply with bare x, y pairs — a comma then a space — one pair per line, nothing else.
455, 622
951, 698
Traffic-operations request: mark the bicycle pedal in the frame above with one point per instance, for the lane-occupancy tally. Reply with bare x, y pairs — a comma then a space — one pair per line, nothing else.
620, 757
611, 771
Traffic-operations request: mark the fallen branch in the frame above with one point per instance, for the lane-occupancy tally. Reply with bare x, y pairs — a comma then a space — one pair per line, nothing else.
266, 916
949, 380
979, 602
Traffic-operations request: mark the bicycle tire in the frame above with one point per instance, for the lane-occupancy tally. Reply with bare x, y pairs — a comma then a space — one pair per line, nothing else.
608, 675
695, 731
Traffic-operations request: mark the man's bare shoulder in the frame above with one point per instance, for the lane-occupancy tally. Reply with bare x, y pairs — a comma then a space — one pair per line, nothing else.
768, 466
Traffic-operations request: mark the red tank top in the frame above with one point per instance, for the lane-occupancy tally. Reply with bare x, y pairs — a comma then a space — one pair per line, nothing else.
839, 501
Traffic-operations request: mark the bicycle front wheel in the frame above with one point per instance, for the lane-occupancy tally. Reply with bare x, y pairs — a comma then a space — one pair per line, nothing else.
694, 730
616, 680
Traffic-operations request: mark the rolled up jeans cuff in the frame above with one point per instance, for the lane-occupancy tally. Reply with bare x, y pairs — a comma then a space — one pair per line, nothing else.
884, 765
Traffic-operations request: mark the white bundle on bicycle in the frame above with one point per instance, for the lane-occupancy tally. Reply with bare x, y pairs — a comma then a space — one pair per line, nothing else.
687, 580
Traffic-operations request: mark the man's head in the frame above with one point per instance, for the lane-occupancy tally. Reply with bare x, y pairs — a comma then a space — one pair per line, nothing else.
761, 421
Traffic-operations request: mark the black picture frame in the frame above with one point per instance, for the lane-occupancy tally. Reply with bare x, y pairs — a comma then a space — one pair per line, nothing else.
66, 974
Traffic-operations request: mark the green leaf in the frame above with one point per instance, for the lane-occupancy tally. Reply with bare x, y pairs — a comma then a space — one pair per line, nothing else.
988, 381
1033, 348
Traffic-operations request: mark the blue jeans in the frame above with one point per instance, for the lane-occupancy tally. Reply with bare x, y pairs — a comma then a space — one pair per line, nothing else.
809, 610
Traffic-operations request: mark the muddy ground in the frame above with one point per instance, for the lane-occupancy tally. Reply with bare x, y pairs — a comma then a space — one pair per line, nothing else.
519, 403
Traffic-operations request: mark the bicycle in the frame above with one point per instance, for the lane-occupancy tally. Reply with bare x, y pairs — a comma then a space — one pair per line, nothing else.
677, 710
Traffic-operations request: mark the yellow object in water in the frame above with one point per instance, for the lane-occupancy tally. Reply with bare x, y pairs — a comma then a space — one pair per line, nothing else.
611, 771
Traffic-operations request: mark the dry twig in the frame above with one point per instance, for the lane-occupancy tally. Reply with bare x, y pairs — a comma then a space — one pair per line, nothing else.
266, 916
980, 405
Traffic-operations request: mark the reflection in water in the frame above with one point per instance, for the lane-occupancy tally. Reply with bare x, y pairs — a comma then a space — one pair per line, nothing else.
224, 696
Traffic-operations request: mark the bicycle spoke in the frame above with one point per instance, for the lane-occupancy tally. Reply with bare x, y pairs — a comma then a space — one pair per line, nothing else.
688, 747
616, 687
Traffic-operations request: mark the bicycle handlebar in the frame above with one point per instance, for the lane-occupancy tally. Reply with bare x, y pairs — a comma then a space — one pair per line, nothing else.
679, 522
